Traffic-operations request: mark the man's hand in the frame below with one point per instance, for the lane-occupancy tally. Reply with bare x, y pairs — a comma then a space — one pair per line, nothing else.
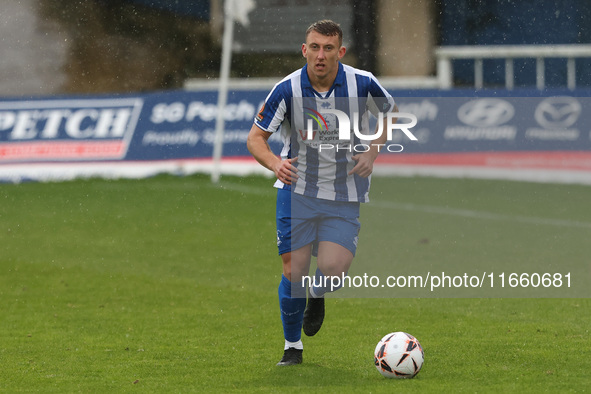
364, 164
364, 161
258, 146
285, 171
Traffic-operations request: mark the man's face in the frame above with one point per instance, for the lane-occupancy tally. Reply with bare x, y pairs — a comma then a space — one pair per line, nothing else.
322, 54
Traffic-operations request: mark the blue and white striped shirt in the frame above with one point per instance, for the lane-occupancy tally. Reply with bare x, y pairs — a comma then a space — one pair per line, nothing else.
322, 173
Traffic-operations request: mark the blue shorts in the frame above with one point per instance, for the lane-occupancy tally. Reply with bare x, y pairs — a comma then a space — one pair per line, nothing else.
303, 220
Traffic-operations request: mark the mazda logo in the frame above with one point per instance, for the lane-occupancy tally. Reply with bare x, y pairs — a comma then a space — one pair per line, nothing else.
558, 112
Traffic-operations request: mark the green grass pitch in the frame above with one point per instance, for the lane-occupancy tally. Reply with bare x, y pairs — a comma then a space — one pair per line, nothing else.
169, 284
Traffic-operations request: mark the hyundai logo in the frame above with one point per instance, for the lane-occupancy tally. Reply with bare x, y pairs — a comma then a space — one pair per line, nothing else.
486, 112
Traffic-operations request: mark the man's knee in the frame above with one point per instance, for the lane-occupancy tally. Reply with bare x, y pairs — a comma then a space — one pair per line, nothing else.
334, 259
286, 260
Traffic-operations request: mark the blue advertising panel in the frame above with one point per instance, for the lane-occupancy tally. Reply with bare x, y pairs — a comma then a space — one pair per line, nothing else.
508, 130
158, 126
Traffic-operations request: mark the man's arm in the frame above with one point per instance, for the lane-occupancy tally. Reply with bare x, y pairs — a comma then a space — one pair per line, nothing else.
258, 146
364, 165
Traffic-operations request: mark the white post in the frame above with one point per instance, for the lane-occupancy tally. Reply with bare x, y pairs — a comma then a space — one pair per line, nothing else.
478, 74
227, 41
540, 73
509, 77
571, 74
444, 72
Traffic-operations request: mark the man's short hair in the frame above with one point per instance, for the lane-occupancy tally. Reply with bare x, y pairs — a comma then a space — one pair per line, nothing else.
326, 27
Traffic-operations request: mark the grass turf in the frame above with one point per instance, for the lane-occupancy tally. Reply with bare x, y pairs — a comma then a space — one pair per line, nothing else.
169, 285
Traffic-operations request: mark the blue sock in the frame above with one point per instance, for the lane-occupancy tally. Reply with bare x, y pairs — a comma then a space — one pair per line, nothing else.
292, 310
320, 287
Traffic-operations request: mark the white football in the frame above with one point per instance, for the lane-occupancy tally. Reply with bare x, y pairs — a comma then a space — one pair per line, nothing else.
399, 355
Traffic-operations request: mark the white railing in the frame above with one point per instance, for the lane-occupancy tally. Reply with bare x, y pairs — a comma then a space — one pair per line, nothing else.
446, 54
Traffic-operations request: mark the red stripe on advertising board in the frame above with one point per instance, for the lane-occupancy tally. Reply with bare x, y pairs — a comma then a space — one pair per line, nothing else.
575, 160
57, 150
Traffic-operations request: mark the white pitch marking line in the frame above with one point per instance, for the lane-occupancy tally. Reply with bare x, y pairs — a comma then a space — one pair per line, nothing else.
477, 214
429, 209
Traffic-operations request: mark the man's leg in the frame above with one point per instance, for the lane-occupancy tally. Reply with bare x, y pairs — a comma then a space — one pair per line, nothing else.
292, 302
333, 260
